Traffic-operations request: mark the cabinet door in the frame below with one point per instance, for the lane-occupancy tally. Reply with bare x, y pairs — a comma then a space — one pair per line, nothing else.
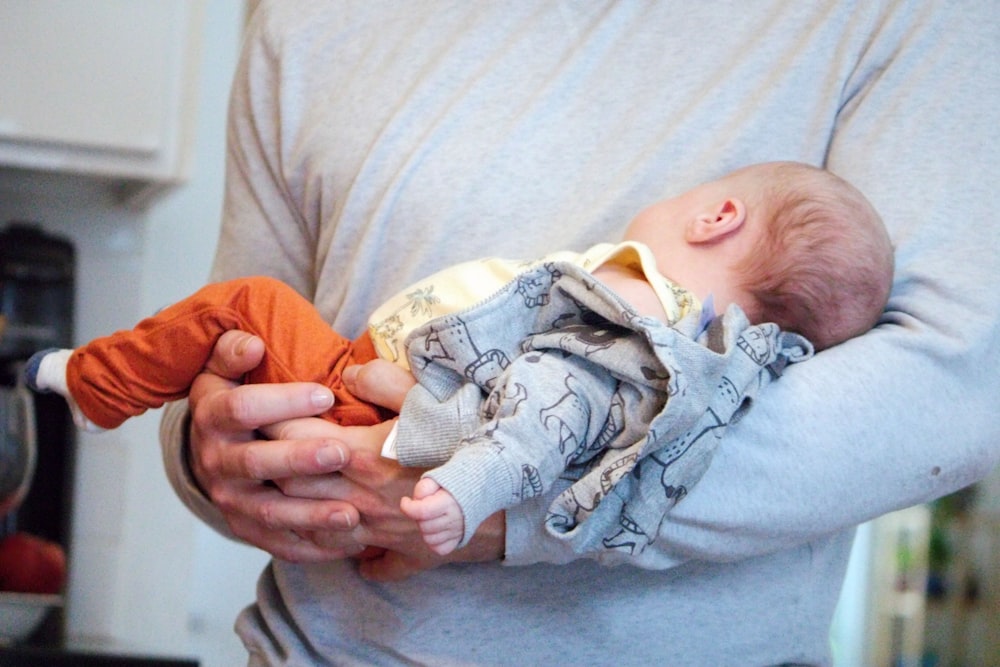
97, 86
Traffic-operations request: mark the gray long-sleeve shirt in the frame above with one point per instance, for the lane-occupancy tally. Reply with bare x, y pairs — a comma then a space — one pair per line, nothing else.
372, 143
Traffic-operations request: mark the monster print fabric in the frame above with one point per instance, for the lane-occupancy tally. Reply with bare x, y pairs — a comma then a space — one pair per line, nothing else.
630, 409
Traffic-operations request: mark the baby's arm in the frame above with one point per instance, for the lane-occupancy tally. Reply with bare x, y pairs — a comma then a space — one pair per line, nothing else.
519, 451
437, 513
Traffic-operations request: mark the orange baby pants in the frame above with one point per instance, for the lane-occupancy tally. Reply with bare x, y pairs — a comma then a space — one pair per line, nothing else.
125, 374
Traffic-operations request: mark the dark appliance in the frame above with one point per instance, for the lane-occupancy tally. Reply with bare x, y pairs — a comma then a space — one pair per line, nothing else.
36, 307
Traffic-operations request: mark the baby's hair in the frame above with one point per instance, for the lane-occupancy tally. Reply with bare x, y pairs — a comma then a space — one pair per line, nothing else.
823, 265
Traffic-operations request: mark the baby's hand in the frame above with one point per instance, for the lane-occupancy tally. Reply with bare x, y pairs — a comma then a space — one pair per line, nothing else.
437, 514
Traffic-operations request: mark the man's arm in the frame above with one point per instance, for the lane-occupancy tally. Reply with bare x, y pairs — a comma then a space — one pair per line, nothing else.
903, 414
912, 87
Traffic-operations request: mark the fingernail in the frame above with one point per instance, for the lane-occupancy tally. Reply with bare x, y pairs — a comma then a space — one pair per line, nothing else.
341, 519
350, 375
322, 398
330, 455
241, 344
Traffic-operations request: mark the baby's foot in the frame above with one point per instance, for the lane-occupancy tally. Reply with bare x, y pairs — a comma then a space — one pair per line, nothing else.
46, 372
437, 513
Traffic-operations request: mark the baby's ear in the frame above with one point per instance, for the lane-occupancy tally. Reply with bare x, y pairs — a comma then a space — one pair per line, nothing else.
716, 222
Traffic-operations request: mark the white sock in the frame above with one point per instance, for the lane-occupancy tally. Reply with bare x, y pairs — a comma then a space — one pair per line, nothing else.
52, 372
52, 377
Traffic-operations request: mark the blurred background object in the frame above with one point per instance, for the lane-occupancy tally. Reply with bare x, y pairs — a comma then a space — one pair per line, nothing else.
18, 448
36, 442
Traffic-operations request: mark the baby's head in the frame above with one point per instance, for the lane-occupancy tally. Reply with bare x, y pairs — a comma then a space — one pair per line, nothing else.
821, 264
790, 243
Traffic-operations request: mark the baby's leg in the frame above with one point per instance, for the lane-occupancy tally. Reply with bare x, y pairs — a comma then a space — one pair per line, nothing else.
438, 515
124, 374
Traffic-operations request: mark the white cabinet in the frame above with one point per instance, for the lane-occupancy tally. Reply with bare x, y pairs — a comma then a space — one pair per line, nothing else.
100, 87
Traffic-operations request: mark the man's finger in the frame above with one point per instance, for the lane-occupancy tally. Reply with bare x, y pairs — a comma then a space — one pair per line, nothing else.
288, 545
319, 487
271, 510
264, 460
248, 407
235, 353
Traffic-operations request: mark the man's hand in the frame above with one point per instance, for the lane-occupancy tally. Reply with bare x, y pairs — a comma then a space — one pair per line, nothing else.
393, 547
314, 490
485, 546
234, 466
386, 384
389, 545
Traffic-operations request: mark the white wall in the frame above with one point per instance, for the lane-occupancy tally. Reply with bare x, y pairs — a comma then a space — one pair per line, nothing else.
144, 573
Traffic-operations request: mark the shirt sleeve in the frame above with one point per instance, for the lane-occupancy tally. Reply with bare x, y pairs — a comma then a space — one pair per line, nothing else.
429, 429
905, 413
262, 233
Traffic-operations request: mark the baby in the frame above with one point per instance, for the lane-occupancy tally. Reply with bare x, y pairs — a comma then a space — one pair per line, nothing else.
576, 364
